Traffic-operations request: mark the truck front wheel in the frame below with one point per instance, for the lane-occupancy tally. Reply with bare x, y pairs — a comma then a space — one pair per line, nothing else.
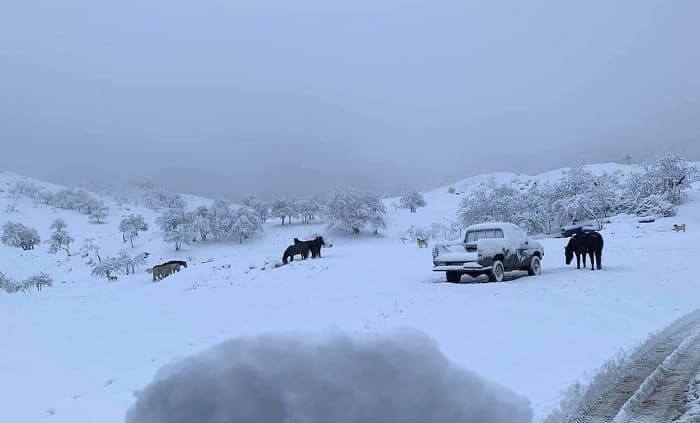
535, 267
453, 276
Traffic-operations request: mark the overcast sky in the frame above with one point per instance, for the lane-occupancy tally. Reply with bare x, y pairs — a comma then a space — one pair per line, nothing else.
233, 97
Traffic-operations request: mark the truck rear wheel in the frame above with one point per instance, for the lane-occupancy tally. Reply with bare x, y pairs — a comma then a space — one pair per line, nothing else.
496, 274
453, 276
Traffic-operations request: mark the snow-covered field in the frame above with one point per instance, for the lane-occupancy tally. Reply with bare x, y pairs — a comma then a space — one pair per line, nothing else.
77, 351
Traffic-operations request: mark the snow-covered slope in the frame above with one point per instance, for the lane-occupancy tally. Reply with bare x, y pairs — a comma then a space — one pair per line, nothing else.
77, 351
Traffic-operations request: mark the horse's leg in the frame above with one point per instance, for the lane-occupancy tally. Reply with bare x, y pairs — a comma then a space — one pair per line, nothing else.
590, 253
578, 261
599, 256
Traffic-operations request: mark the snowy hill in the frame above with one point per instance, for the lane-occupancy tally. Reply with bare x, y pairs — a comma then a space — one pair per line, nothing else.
76, 352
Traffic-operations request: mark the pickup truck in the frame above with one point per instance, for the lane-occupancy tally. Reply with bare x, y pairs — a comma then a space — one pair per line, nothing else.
489, 249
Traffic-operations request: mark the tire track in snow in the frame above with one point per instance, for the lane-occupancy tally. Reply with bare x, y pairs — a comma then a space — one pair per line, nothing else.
663, 393
653, 386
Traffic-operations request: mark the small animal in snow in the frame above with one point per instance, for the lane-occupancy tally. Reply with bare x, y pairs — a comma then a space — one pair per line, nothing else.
679, 228
590, 243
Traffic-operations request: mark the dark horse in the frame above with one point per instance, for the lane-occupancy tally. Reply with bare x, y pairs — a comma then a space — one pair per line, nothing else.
590, 243
314, 245
301, 249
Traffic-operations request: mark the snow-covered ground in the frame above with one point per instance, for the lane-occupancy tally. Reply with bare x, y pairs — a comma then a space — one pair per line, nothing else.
77, 351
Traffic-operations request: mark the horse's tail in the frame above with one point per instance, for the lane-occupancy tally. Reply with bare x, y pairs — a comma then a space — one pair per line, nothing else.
285, 256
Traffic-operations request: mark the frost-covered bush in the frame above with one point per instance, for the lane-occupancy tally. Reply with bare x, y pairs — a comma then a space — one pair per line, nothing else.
414, 233
131, 226
350, 210
451, 190
579, 195
90, 246
60, 239
17, 235
37, 281
129, 263
8, 284
107, 267
660, 186
412, 200
398, 377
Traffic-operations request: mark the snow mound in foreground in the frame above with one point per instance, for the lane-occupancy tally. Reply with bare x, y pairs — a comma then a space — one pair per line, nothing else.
396, 377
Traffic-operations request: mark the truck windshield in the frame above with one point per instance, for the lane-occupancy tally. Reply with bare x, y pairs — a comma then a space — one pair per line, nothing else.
473, 236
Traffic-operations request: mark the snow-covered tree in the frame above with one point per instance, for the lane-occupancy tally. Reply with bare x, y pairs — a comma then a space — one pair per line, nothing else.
8, 284
97, 211
412, 200
487, 204
130, 227
308, 207
221, 219
181, 234
352, 210
245, 222
107, 267
202, 222
37, 281
283, 208
60, 239
17, 235
91, 247
261, 207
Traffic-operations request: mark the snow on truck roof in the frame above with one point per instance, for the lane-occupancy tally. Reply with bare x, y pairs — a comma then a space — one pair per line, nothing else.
508, 228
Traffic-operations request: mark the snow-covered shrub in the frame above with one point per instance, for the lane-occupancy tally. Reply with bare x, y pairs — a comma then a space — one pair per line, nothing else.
37, 281
8, 284
107, 267
283, 208
90, 246
60, 239
451, 190
11, 207
412, 200
350, 210
130, 263
397, 377
157, 200
17, 235
130, 227
414, 233
660, 187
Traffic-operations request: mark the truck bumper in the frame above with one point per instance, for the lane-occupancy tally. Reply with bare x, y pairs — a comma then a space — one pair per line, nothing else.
466, 267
